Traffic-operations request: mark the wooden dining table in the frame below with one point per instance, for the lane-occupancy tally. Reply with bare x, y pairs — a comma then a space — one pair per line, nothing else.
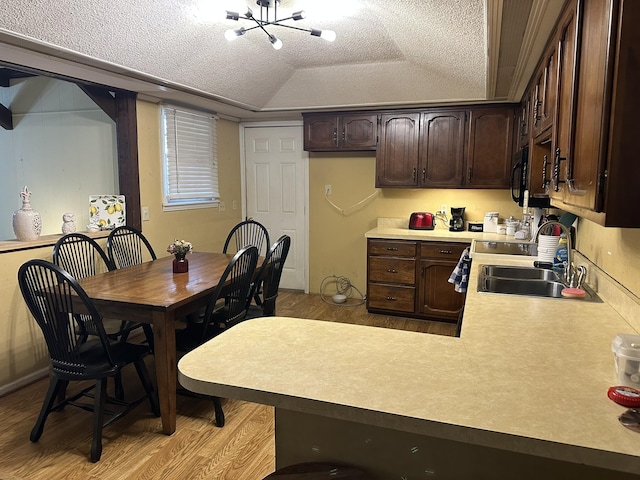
151, 293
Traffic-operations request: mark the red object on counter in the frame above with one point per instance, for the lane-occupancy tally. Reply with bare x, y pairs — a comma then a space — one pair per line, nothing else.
625, 396
422, 221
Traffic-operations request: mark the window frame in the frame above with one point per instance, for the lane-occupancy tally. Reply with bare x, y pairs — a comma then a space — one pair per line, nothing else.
193, 159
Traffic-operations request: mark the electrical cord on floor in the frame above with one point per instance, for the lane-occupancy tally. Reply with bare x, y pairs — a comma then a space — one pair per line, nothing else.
343, 287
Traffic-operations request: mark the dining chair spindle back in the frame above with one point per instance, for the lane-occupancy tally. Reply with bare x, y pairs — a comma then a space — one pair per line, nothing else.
245, 233
127, 246
272, 267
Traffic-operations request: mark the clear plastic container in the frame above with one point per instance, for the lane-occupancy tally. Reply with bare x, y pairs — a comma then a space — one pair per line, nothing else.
626, 352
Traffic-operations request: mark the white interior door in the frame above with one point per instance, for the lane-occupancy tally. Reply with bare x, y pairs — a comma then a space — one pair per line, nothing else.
275, 187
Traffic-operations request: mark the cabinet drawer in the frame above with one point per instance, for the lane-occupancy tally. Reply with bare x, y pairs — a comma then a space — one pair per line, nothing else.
392, 270
391, 248
450, 251
390, 297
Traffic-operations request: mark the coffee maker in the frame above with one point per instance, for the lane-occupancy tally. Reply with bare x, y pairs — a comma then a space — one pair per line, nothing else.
456, 224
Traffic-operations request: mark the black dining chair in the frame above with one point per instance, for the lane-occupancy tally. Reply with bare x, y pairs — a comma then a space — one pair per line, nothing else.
127, 246
271, 269
82, 257
227, 307
56, 301
249, 232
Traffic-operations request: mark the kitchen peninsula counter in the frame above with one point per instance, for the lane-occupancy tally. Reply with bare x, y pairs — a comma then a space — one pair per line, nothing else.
523, 389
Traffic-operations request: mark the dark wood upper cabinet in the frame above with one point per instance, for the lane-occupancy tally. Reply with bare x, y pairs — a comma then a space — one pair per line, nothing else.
446, 148
442, 149
561, 155
523, 121
340, 132
397, 154
596, 170
490, 147
544, 92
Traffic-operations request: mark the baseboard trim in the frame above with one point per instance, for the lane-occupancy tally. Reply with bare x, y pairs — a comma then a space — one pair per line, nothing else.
24, 381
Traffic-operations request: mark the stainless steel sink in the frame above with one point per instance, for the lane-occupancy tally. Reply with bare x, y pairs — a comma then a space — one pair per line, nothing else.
519, 273
507, 248
529, 281
538, 288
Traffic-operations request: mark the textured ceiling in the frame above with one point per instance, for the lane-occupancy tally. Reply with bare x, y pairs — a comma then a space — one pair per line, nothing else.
395, 53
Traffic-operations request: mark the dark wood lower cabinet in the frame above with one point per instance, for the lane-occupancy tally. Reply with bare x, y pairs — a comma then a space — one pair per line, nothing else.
410, 278
437, 297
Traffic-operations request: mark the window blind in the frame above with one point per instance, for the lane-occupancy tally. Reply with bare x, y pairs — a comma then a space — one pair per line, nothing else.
190, 157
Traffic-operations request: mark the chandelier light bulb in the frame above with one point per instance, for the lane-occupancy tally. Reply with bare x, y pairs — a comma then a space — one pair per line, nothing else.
231, 34
275, 42
328, 35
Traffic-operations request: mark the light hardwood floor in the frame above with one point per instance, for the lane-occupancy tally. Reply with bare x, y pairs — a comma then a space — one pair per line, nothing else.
134, 448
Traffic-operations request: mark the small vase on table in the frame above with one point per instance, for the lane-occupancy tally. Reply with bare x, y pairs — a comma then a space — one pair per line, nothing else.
180, 264
179, 249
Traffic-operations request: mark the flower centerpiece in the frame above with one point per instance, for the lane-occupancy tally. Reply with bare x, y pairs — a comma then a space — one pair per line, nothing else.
180, 248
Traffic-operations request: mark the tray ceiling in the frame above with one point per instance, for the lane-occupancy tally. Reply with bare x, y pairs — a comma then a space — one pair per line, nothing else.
389, 53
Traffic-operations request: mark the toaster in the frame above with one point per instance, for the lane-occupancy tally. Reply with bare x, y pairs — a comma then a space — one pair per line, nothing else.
422, 221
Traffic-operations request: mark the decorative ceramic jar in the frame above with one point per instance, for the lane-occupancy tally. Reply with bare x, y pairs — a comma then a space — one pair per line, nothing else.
180, 264
27, 224
69, 225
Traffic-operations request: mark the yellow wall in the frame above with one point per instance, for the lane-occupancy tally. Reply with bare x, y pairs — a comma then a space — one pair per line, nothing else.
336, 242
614, 250
22, 350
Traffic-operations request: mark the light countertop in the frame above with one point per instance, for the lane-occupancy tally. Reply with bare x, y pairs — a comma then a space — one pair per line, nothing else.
395, 228
527, 374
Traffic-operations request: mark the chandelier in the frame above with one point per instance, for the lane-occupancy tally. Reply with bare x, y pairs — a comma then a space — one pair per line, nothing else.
265, 21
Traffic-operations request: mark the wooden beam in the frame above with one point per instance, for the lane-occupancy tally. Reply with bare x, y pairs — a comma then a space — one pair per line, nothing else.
6, 119
103, 98
127, 143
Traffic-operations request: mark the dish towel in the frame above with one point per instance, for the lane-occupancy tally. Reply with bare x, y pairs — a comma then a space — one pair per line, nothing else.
460, 275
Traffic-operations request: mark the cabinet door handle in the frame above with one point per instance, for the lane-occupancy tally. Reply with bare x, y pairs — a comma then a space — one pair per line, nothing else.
545, 180
392, 299
344, 136
556, 170
335, 137
447, 252
424, 175
392, 249
391, 270
414, 174
469, 174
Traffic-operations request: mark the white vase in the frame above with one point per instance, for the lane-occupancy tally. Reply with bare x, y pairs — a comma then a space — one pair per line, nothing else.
27, 224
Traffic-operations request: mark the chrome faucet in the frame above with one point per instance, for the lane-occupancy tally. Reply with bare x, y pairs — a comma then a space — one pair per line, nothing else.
568, 267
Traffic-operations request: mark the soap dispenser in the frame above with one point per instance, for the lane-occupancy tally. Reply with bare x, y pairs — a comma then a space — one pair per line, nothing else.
562, 255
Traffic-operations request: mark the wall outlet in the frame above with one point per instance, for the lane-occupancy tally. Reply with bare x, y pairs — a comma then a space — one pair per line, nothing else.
443, 208
235, 205
221, 206
145, 214
327, 189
